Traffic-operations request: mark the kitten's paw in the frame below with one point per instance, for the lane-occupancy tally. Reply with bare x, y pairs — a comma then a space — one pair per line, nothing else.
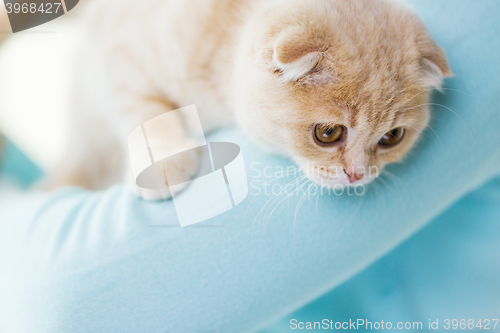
180, 169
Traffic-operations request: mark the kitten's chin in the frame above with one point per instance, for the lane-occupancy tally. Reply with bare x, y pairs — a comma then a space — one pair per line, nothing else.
340, 182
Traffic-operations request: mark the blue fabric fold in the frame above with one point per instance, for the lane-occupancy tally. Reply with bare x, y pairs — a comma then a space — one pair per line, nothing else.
78, 261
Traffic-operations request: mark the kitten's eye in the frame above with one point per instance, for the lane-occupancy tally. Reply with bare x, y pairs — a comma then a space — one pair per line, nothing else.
327, 134
393, 137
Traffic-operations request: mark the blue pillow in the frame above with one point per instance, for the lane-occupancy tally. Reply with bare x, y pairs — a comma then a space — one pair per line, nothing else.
445, 274
79, 261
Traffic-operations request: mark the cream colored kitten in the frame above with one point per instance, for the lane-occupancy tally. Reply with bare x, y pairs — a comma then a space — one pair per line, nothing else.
340, 86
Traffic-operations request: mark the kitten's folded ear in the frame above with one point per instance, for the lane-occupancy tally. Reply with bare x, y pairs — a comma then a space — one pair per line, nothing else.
434, 65
295, 54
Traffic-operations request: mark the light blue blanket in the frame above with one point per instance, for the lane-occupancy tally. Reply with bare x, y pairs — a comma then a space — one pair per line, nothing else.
77, 261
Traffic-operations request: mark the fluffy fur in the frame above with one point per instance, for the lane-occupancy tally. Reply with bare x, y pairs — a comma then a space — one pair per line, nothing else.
277, 68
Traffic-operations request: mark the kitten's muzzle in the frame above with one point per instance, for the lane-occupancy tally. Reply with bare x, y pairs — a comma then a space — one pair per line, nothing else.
354, 176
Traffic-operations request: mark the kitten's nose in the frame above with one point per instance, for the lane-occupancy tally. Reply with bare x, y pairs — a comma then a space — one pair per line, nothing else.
354, 176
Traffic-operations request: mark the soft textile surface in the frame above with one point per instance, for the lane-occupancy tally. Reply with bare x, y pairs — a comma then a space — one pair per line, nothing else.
449, 270
76, 261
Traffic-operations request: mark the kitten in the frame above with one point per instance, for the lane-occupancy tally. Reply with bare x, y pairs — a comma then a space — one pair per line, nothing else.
340, 86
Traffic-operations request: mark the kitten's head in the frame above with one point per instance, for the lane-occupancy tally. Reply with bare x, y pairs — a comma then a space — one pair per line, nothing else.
340, 86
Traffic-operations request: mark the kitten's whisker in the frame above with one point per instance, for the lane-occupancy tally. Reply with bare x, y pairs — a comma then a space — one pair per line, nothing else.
299, 204
431, 89
422, 132
385, 183
391, 175
273, 197
317, 197
351, 219
456, 114
458, 91
375, 187
413, 107
420, 93
401, 185
271, 213
304, 196
292, 182
246, 211
260, 211
447, 108
277, 205
395, 189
